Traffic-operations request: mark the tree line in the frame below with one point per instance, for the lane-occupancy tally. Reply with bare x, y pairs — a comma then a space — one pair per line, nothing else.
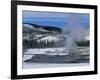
42, 44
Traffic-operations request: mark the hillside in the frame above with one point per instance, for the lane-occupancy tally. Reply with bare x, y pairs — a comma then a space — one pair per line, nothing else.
39, 36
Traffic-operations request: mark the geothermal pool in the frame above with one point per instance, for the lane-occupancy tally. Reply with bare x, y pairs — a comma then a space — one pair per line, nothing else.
83, 57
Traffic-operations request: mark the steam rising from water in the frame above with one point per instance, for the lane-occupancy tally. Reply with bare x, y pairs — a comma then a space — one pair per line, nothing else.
75, 27
74, 32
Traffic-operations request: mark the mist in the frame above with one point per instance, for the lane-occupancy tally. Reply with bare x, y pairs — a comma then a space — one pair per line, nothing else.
75, 28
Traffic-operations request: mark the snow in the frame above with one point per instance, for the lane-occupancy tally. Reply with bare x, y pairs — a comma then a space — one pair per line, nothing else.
39, 35
49, 39
42, 51
28, 26
26, 57
53, 51
33, 27
41, 29
29, 53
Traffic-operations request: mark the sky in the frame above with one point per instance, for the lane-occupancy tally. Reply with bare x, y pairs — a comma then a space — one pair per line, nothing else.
56, 19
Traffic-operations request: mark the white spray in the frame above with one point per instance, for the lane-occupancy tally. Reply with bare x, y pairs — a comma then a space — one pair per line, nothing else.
74, 32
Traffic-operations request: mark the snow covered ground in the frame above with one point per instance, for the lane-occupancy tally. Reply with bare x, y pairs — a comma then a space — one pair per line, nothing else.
43, 51
29, 53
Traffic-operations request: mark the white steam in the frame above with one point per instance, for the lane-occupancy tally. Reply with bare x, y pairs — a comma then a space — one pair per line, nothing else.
75, 28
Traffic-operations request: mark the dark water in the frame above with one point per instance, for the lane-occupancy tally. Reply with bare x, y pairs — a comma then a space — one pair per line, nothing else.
40, 58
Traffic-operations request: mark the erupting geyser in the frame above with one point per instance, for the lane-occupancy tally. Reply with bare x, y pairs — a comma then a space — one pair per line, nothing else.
74, 31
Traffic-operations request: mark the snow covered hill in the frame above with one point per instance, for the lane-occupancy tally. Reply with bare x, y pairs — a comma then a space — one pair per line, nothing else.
46, 36
27, 27
48, 39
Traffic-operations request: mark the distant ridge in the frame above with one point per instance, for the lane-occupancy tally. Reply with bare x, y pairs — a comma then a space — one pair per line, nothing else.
48, 28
